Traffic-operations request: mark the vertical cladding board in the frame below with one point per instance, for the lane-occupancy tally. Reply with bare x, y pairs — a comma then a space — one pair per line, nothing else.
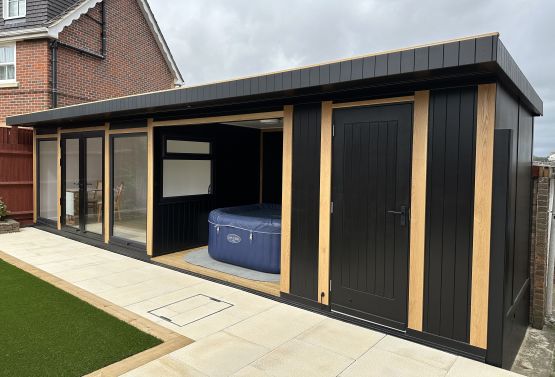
272, 166
305, 201
450, 192
501, 170
511, 115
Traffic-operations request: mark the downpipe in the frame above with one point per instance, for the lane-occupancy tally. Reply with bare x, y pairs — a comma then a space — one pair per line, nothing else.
551, 251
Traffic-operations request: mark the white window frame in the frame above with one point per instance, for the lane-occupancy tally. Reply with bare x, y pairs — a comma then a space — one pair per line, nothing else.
5, 11
14, 80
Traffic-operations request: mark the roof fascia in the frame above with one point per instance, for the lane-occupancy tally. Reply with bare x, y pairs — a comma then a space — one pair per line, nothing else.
57, 26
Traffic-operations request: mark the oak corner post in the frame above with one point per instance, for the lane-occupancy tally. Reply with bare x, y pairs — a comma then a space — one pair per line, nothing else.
107, 184
418, 210
325, 203
59, 174
150, 188
35, 188
285, 278
483, 190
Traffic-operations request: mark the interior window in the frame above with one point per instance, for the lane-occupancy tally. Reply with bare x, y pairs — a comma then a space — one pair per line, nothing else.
186, 146
187, 177
7, 63
15, 8
187, 168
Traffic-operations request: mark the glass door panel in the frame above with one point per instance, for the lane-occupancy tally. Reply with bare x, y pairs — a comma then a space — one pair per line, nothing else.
129, 187
48, 179
94, 184
82, 182
72, 183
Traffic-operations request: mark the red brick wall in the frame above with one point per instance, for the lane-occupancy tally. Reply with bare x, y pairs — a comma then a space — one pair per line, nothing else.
539, 250
134, 63
33, 75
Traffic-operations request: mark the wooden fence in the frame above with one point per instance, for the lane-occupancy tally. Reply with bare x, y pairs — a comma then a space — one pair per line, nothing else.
16, 172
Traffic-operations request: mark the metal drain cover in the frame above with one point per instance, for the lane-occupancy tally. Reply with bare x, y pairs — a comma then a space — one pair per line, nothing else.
190, 309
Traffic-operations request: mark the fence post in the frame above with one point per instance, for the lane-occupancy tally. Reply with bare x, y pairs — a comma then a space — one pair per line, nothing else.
14, 131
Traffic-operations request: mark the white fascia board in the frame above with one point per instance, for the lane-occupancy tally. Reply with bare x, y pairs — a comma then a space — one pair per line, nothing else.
57, 26
159, 37
21, 34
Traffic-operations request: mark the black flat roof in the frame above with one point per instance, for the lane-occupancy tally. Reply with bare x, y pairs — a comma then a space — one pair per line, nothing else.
477, 54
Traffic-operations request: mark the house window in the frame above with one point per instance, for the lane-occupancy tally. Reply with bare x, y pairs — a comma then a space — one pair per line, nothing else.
7, 63
14, 8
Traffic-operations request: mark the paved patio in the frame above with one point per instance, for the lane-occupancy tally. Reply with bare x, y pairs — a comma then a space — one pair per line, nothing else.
247, 335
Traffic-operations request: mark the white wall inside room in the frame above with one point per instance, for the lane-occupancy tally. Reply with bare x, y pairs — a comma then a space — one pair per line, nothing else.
186, 177
130, 168
94, 162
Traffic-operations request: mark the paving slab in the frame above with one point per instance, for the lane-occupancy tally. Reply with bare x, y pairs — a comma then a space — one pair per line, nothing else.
427, 355
342, 338
377, 362
465, 368
297, 358
220, 354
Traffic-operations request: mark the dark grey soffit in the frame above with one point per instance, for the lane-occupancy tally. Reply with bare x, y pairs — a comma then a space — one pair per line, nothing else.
450, 55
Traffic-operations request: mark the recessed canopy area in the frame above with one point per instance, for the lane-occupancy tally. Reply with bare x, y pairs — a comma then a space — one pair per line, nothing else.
263, 124
210, 166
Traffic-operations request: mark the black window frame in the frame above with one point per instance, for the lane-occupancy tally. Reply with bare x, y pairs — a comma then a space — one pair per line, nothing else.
184, 157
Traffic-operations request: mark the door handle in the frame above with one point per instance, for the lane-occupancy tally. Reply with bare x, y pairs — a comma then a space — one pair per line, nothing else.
403, 213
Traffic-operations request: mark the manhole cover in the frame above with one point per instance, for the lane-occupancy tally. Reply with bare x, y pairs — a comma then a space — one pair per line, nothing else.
190, 309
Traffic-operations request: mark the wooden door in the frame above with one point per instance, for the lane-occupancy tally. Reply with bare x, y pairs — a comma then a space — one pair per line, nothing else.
371, 206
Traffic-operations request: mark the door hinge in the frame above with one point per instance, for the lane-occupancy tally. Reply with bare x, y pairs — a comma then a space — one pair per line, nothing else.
331, 208
333, 130
330, 285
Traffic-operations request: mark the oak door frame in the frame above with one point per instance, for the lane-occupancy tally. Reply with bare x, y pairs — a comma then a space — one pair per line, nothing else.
420, 101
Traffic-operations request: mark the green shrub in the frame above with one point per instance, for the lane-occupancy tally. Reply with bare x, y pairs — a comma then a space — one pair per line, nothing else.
3, 210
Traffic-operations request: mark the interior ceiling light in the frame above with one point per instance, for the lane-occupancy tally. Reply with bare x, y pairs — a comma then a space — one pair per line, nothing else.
269, 121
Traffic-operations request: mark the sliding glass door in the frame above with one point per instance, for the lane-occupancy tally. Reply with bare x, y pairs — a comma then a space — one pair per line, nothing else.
83, 183
94, 183
72, 182
129, 189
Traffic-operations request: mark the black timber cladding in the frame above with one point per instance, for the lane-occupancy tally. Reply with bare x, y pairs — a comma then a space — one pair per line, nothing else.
513, 251
449, 212
272, 166
305, 201
421, 62
499, 221
515, 75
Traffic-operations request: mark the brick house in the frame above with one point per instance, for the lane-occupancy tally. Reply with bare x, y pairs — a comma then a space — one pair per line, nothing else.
63, 52
56, 53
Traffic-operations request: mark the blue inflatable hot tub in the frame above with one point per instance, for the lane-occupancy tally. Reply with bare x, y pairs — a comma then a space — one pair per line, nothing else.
247, 236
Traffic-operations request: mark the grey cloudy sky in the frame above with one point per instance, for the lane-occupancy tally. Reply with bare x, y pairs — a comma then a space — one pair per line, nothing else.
221, 39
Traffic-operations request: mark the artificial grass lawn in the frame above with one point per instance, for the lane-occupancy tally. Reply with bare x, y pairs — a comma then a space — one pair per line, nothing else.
45, 331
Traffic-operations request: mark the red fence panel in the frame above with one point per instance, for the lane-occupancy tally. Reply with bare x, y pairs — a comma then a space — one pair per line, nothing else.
16, 172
